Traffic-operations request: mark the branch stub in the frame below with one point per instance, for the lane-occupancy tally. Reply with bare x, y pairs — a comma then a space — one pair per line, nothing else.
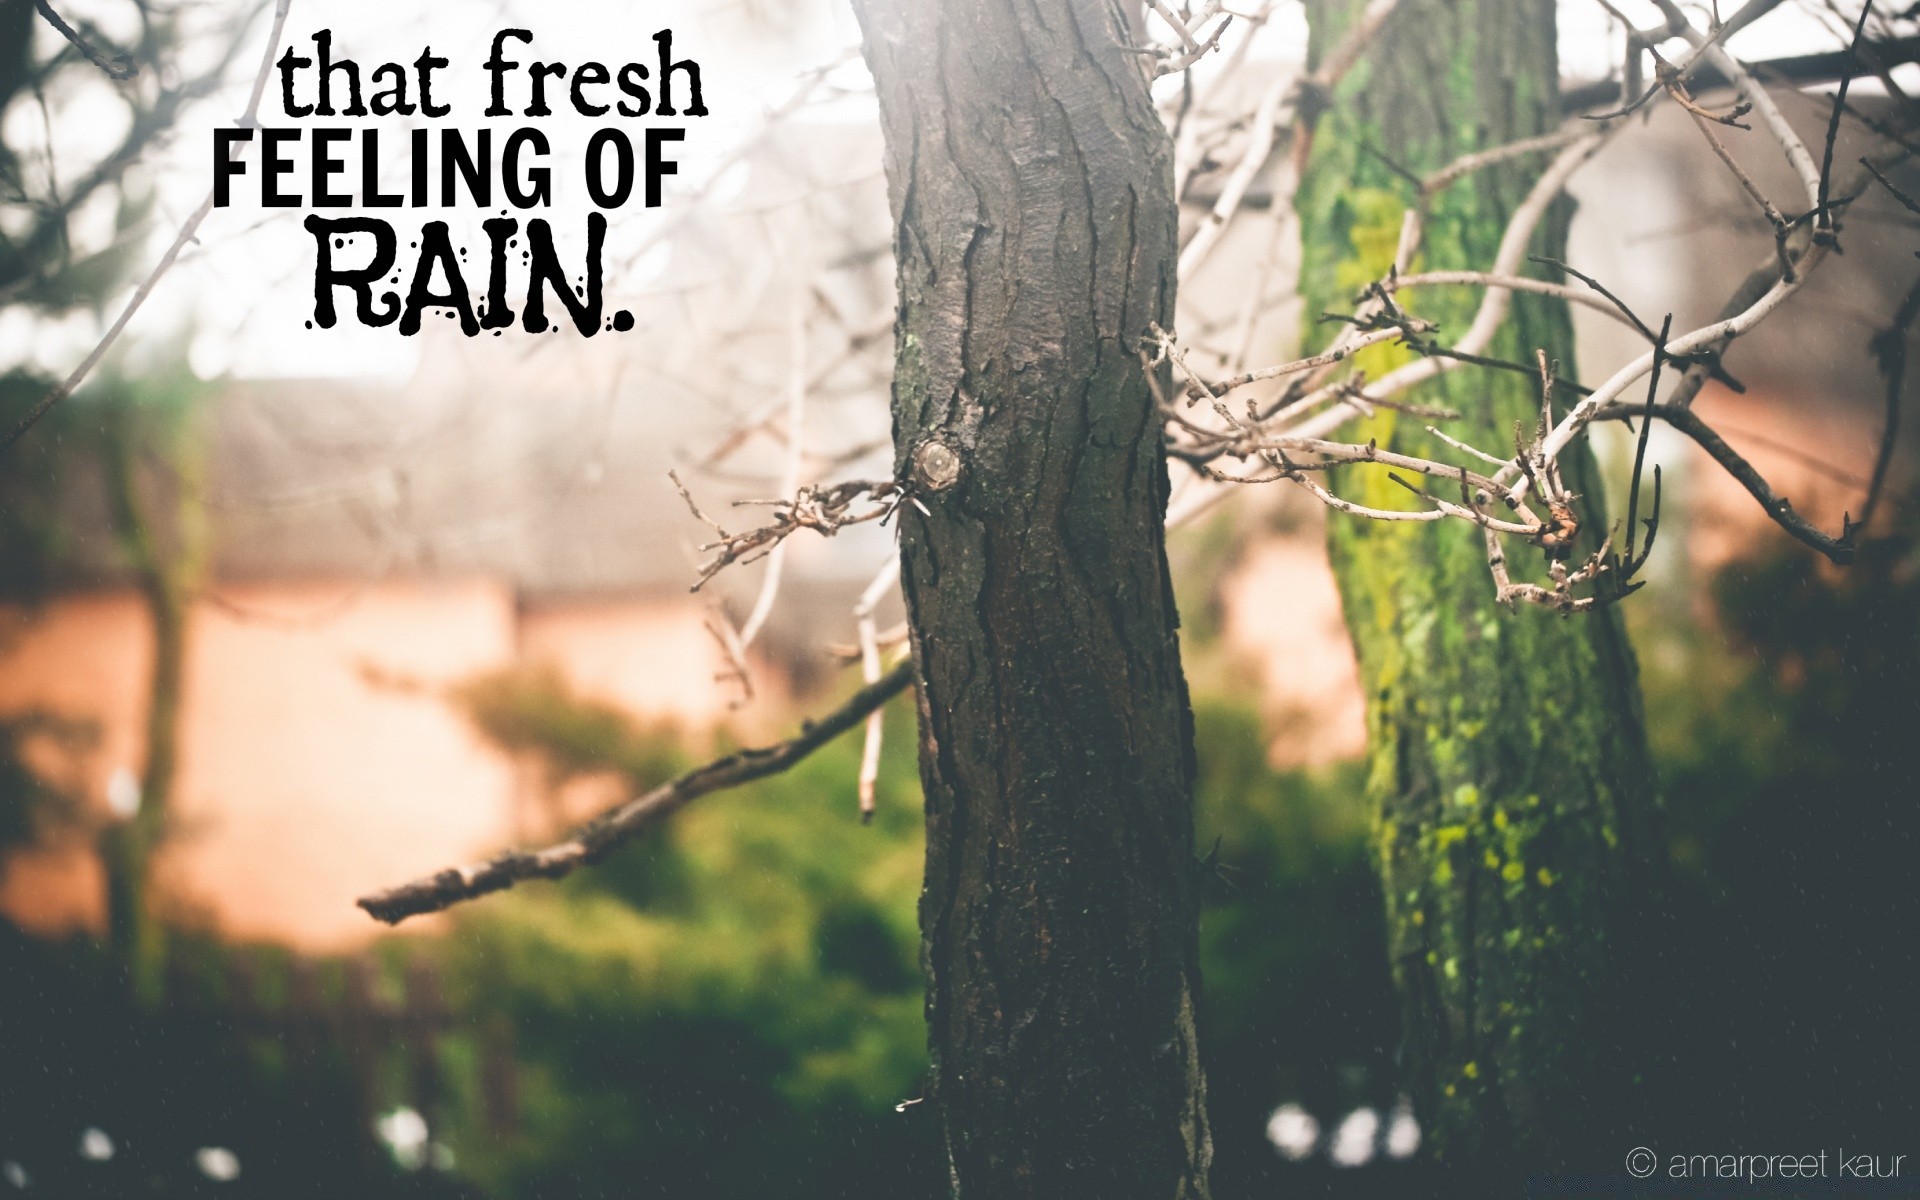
936, 467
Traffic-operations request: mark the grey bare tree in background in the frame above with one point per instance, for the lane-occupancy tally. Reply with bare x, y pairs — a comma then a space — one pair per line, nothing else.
132, 433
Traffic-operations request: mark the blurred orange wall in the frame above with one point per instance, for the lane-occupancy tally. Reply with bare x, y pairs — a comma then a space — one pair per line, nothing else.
319, 759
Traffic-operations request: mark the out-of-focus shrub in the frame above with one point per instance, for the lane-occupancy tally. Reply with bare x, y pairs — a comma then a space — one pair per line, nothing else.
729, 1007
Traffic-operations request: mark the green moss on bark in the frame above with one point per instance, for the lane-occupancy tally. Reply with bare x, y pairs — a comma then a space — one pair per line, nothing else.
1507, 755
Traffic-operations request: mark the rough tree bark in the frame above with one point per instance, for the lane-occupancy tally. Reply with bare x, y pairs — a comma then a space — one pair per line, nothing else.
1508, 758
1031, 186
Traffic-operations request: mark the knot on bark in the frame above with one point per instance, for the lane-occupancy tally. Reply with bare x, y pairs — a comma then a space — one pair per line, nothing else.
936, 466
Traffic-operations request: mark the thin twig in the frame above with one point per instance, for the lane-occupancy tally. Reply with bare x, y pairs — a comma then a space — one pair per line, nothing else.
1839, 106
796, 455
120, 66
609, 831
883, 583
1890, 352
1646, 431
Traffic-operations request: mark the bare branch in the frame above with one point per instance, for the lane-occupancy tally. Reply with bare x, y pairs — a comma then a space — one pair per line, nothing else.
1837, 549
1193, 48
1890, 352
1840, 106
1291, 427
1305, 97
882, 584
1762, 102
606, 833
1640, 448
796, 455
824, 509
120, 66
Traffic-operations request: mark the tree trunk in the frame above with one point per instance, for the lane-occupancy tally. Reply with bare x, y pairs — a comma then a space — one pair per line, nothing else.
1507, 753
1031, 186
165, 577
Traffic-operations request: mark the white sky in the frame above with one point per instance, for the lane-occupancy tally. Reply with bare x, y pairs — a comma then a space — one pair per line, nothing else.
245, 289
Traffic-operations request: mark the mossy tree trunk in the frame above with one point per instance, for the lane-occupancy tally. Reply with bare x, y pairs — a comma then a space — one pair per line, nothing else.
1031, 185
1507, 753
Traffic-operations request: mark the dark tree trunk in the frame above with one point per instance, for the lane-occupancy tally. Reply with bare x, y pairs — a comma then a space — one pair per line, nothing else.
164, 574
1035, 236
1508, 757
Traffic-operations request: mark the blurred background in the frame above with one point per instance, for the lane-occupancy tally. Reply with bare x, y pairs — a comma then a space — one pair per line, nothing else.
332, 609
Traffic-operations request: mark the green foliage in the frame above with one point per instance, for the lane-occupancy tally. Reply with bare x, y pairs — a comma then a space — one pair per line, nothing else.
732, 1006
121, 457
1790, 767
163, 1083
533, 710
32, 808
1299, 1003
710, 1010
